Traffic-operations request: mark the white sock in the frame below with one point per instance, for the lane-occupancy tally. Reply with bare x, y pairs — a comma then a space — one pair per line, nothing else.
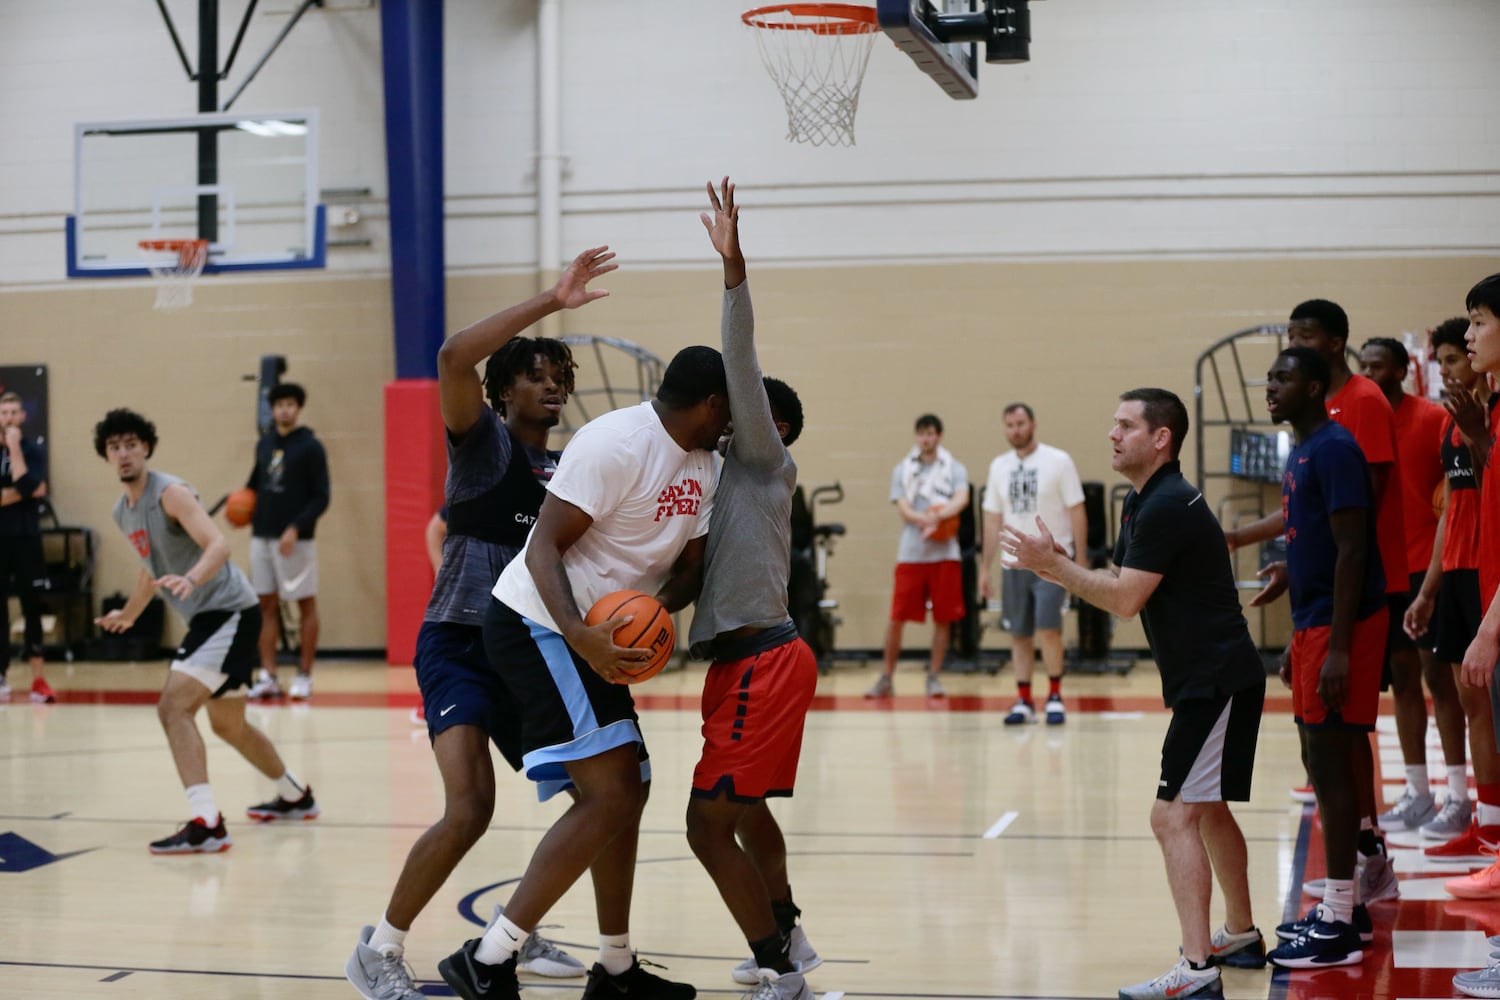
1458, 782
615, 954
387, 939
1338, 900
288, 787
501, 942
1488, 815
201, 802
1417, 781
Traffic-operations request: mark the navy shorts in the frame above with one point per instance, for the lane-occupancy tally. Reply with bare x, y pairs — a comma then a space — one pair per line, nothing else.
568, 712
459, 688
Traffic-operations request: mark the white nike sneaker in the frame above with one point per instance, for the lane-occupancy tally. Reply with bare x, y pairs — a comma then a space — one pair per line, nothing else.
301, 688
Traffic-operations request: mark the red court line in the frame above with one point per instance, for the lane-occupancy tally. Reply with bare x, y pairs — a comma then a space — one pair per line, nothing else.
1377, 977
690, 702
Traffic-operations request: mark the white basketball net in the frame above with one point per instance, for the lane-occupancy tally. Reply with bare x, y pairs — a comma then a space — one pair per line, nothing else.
174, 281
818, 62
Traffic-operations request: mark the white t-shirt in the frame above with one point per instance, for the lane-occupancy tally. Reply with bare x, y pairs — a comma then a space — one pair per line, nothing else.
1044, 482
648, 499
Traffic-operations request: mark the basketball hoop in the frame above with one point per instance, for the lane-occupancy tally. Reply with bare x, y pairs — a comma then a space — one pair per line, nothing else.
817, 54
174, 281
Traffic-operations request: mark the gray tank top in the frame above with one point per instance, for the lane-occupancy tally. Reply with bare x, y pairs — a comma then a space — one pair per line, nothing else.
166, 548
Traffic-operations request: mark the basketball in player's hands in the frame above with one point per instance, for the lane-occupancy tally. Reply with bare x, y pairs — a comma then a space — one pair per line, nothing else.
239, 507
650, 628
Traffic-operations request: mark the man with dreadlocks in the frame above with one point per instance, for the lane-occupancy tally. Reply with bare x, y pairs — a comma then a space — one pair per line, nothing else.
498, 468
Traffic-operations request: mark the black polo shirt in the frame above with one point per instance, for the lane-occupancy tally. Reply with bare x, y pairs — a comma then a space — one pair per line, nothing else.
1193, 619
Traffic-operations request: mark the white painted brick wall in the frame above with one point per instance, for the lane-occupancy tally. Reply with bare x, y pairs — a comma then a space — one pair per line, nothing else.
1175, 127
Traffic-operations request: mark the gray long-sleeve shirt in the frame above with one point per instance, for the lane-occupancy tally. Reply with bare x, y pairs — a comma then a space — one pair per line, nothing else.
748, 561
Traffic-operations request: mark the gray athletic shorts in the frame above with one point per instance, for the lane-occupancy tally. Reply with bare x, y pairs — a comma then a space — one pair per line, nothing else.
290, 577
1029, 603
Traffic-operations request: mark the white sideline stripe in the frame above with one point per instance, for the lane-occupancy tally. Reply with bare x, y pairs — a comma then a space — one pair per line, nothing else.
1000, 825
1122, 715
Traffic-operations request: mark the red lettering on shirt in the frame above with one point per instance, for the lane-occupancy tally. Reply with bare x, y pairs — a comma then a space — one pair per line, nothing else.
677, 500
142, 543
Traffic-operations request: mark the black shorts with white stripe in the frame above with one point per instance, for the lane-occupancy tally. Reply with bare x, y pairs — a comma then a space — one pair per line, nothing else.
1209, 752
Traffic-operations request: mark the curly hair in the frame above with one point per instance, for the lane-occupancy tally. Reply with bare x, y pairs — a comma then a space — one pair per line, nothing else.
1451, 332
119, 422
785, 406
518, 357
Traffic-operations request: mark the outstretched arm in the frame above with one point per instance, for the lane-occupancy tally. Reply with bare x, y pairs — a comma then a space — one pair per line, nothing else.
460, 393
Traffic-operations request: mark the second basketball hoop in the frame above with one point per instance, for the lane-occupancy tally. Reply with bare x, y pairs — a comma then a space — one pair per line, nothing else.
174, 279
817, 54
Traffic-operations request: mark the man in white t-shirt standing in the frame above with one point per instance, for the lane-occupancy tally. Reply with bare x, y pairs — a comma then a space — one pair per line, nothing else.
930, 488
1033, 480
627, 509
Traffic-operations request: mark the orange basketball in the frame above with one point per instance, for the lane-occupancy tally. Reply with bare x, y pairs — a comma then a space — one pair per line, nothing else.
945, 529
239, 507
650, 628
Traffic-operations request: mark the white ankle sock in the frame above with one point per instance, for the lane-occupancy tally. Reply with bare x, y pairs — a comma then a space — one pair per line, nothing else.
1488, 815
501, 942
288, 787
201, 802
615, 954
387, 939
1338, 900
1458, 781
1417, 781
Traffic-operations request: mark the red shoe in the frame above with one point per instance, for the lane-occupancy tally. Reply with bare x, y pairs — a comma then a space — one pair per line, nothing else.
1483, 884
1467, 846
42, 693
1304, 793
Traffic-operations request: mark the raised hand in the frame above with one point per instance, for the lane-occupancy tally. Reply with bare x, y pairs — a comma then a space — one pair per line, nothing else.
1467, 410
724, 227
572, 289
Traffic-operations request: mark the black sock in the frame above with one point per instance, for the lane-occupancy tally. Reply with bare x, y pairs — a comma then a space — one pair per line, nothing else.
1199, 966
774, 952
786, 913
1370, 844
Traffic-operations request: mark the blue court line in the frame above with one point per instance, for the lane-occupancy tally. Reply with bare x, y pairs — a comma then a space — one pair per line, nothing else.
1281, 978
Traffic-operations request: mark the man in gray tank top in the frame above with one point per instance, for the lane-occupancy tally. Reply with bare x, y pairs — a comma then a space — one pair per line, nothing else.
763, 676
184, 556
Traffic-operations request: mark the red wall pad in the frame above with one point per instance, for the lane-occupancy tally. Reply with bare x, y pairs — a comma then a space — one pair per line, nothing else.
415, 465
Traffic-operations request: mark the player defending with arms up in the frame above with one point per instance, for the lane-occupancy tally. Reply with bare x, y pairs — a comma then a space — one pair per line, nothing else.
498, 470
761, 683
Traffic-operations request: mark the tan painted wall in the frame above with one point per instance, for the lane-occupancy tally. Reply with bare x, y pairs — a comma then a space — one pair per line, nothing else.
868, 348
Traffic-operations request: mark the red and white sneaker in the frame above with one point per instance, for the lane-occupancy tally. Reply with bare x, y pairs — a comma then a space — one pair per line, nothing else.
1467, 846
1483, 884
419, 715
42, 693
1303, 793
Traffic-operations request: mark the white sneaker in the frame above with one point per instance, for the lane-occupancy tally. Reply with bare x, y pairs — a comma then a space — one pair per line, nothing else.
934, 687
539, 956
1411, 810
748, 972
1021, 713
301, 688
265, 686
1377, 880
782, 986
1451, 820
1178, 983
1484, 982
378, 976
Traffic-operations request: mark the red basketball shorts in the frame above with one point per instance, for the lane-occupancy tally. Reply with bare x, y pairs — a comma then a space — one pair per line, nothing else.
1366, 660
942, 583
753, 713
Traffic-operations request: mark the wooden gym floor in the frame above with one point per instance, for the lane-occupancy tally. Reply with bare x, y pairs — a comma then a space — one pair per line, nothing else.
935, 853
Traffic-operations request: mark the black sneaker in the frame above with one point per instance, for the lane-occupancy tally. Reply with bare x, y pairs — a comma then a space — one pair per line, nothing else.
635, 983
474, 980
195, 837
280, 808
